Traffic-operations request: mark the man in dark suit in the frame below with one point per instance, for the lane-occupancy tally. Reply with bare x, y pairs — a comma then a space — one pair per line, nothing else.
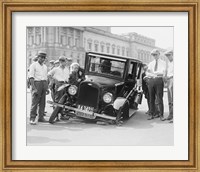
156, 71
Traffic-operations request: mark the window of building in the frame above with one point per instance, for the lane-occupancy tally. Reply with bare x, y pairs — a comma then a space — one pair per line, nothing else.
108, 49
69, 41
142, 56
102, 48
127, 52
62, 39
76, 43
118, 51
84, 43
31, 40
89, 46
96, 47
113, 49
38, 39
123, 51
139, 55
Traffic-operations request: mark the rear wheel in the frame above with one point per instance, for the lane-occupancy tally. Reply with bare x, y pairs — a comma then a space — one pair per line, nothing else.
57, 109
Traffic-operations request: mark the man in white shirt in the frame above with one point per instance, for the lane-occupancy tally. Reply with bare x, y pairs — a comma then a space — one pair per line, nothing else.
169, 79
60, 75
39, 86
156, 71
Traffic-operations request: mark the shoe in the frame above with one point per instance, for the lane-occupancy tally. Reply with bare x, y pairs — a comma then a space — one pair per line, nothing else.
57, 119
119, 123
150, 118
32, 122
169, 118
147, 112
41, 120
51, 122
156, 116
162, 118
171, 121
64, 117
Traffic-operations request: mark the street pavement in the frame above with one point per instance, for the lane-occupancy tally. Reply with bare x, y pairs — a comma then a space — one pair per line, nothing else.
137, 131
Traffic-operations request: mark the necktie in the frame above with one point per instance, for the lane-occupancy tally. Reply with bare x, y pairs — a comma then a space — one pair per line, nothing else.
156, 66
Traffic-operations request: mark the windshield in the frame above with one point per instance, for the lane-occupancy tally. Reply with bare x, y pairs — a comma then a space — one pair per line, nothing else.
107, 66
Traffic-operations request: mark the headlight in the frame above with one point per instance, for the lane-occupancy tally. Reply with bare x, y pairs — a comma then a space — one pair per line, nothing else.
72, 90
107, 98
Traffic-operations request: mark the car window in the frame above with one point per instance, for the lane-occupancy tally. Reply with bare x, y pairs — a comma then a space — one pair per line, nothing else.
106, 66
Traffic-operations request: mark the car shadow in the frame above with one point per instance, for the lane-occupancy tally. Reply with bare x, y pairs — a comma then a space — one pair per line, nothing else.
138, 121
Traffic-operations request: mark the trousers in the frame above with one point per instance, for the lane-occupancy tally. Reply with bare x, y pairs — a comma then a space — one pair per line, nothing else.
155, 87
170, 96
58, 94
38, 99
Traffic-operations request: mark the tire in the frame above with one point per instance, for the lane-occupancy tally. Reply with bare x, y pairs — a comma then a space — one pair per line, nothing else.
123, 113
57, 109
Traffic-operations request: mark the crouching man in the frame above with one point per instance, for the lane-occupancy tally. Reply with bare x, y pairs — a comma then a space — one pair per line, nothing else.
60, 75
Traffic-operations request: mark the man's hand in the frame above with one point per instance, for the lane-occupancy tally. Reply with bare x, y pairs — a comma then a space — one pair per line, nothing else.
34, 90
47, 92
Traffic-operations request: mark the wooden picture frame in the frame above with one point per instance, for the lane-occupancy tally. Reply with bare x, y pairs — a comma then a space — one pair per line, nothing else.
9, 6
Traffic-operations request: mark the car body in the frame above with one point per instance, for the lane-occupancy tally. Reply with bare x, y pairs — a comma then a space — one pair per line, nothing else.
110, 88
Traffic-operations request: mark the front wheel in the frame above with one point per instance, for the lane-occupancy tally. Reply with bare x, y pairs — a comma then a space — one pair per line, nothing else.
123, 113
57, 109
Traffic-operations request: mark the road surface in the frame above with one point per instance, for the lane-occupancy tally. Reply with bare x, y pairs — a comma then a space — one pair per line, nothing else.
137, 131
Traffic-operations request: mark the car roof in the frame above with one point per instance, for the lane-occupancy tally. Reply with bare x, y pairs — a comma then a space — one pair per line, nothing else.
115, 56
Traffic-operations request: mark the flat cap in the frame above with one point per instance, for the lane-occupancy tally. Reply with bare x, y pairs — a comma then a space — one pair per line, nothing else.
57, 61
170, 51
35, 58
62, 58
155, 51
69, 58
42, 53
51, 61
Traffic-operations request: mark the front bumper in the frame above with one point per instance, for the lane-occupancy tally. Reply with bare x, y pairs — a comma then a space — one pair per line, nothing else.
104, 116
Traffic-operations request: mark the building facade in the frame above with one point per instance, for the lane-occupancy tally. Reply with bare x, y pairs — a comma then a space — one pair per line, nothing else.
74, 42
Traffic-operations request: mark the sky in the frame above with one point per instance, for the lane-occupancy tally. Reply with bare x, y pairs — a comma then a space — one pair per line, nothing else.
162, 35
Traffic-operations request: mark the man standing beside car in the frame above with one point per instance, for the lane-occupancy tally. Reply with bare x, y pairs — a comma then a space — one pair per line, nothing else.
156, 72
39, 85
60, 75
169, 80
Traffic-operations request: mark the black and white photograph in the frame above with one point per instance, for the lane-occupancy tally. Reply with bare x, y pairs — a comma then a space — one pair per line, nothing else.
99, 86
90, 85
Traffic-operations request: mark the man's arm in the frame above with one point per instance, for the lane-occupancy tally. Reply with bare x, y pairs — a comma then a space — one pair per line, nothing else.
32, 75
50, 77
51, 73
32, 84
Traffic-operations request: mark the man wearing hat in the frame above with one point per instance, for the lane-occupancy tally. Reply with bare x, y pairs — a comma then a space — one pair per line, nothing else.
156, 71
169, 80
51, 81
60, 75
56, 63
51, 64
69, 62
38, 80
